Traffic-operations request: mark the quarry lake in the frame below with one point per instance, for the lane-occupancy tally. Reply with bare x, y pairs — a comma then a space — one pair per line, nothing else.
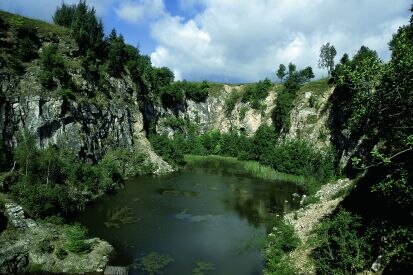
196, 221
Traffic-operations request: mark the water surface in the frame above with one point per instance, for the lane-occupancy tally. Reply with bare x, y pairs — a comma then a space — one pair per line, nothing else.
198, 218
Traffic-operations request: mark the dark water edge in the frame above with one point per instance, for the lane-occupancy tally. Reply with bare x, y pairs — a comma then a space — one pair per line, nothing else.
194, 219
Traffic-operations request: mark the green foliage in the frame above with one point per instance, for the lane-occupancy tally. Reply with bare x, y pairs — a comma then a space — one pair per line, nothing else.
171, 150
241, 167
230, 102
174, 94
52, 65
117, 54
198, 92
53, 180
295, 157
279, 243
75, 239
281, 112
154, 263
375, 102
339, 248
281, 73
286, 97
202, 267
61, 253
27, 43
256, 93
86, 29
327, 54
45, 246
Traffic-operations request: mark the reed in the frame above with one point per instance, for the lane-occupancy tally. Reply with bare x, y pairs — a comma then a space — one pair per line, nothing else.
249, 168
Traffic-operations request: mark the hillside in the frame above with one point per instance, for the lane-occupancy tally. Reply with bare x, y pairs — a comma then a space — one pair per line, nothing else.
80, 114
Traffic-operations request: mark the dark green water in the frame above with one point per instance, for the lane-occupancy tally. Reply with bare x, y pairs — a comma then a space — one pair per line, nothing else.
193, 216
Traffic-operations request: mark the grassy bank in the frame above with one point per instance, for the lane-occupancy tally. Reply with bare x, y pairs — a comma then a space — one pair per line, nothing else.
249, 168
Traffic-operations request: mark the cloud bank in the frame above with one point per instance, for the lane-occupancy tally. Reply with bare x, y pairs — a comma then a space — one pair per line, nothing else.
241, 40
247, 40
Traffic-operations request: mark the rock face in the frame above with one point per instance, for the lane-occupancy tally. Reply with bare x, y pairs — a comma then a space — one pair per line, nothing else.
15, 215
309, 118
89, 127
14, 259
86, 127
212, 115
37, 244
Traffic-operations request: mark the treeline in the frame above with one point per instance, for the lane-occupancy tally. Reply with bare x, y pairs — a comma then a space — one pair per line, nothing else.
295, 157
375, 223
53, 181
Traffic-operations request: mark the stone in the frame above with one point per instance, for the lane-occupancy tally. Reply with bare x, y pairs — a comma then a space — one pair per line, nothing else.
14, 259
376, 266
15, 215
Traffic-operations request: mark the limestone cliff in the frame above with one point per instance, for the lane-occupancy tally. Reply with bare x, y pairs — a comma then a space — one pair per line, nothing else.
90, 117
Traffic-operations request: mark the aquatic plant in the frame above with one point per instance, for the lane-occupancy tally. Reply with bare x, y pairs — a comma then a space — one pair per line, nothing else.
154, 263
201, 267
249, 168
118, 216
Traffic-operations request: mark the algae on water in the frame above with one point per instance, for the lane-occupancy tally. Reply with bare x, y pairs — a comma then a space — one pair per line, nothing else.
120, 216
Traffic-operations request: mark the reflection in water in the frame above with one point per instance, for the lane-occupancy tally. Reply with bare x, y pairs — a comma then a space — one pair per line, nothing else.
261, 205
153, 263
196, 221
202, 267
120, 216
183, 215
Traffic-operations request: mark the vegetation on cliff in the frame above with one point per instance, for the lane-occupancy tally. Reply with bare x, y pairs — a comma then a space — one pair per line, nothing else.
370, 121
375, 101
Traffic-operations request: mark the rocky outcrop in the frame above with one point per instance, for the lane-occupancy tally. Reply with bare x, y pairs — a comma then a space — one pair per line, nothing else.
212, 114
309, 118
88, 126
15, 215
28, 244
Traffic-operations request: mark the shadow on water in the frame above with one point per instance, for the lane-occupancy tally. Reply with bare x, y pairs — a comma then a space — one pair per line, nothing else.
200, 220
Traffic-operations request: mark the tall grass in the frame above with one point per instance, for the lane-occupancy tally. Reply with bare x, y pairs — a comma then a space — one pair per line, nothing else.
250, 168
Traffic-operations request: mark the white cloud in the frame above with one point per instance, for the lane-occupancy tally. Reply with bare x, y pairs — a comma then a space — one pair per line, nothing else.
44, 9
137, 11
247, 39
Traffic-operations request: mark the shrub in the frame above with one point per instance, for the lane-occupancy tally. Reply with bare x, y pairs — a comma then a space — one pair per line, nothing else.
86, 29
231, 101
75, 239
279, 243
256, 93
52, 65
339, 248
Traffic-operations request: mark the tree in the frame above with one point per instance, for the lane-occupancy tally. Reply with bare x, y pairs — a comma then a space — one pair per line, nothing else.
281, 73
117, 54
291, 68
86, 29
306, 74
327, 54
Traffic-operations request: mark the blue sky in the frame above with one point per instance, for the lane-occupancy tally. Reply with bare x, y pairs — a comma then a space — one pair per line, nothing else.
240, 40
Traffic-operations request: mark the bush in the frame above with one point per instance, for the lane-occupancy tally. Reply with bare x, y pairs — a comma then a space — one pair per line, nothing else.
256, 93
339, 248
197, 92
231, 101
86, 29
279, 243
75, 239
52, 65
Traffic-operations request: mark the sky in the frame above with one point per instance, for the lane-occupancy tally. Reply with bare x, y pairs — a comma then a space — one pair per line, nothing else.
240, 40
